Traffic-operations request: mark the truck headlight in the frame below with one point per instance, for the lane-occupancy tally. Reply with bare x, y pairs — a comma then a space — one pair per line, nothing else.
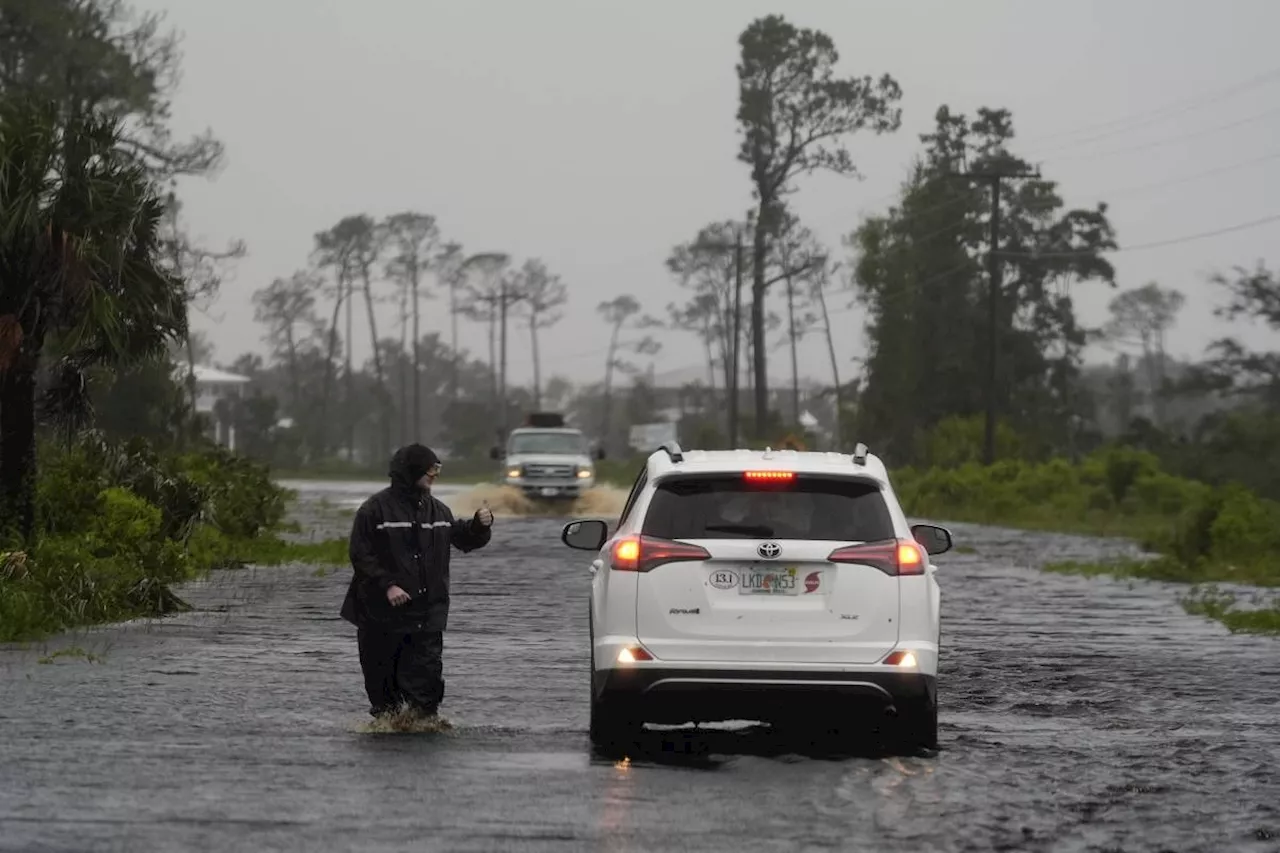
584, 473
515, 473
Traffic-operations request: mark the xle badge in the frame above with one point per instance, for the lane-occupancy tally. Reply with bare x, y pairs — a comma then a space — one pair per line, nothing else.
681, 611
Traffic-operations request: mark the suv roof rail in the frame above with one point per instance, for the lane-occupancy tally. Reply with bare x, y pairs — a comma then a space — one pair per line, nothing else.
673, 450
860, 454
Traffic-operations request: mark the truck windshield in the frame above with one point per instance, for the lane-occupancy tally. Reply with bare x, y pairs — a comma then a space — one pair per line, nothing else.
566, 443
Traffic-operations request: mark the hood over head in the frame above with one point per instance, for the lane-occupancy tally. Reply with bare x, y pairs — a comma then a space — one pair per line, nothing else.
410, 463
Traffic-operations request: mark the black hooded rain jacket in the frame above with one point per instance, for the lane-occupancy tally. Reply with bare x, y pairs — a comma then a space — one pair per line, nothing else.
401, 537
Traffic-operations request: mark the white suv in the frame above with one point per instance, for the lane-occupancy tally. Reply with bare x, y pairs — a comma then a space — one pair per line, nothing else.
770, 586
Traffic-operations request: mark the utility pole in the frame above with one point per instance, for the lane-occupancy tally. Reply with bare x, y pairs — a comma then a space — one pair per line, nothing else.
453, 341
502, 351
993, 178
737, 336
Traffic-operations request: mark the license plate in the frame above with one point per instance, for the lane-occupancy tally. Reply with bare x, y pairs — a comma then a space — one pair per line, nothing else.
770, 582
550, 493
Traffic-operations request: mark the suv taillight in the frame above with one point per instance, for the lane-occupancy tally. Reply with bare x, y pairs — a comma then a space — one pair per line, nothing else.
892, 556
644, 553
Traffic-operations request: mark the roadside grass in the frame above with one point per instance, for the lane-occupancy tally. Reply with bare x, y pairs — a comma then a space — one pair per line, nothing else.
1263, 617
1169, 569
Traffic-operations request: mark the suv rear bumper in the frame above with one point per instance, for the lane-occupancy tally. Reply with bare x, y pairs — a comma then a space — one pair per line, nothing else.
676, 695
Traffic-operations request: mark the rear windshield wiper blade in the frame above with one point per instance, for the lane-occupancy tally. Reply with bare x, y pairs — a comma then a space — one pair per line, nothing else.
758, 530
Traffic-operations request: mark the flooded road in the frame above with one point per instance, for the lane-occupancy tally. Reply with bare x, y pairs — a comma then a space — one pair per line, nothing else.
1075, 714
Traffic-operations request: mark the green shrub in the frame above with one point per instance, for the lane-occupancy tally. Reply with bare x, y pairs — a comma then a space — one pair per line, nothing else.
118, 523
1123, 467
70, 482
1246, 528
243, 502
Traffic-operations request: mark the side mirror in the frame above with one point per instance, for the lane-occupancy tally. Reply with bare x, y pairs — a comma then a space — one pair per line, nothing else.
599, 453
936, 540
587, 535
494, 454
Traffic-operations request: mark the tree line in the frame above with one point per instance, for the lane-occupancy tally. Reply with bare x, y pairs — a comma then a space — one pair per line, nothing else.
99, 281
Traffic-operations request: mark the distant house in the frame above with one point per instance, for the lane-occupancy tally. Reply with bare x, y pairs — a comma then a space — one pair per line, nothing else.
687, 392
214, 385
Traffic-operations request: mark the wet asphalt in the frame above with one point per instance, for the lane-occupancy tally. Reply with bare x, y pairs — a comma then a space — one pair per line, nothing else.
1076, 715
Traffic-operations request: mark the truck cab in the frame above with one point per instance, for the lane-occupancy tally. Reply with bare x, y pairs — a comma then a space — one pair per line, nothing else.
547, 460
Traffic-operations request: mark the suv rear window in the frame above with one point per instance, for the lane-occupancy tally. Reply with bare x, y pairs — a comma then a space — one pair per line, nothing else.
727, 507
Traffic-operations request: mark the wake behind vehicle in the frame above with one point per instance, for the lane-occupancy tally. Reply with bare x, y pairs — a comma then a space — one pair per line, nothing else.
547, 460
773, 586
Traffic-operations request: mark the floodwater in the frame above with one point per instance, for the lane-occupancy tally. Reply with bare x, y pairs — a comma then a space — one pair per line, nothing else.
1076, 714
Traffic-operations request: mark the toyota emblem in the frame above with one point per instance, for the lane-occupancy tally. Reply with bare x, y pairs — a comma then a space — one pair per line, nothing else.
769, 550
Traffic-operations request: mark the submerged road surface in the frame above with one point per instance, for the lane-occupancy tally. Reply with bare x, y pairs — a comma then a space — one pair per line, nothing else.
1076, 714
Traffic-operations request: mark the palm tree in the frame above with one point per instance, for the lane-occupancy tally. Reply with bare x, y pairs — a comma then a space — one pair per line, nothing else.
80, 277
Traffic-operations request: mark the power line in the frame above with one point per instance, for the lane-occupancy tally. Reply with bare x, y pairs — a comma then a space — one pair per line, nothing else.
1108, 194
1186, 179
1135, 189
1161, 143
1139, 120
1155, 244
1173, 108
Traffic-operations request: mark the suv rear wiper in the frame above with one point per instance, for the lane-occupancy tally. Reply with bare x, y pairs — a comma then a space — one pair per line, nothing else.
756, 530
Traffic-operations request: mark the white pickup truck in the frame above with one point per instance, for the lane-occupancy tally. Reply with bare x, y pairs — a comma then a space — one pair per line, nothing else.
547, 460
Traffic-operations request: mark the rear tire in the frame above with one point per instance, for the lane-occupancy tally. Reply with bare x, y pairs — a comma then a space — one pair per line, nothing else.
609, 727
613, 728
916, 727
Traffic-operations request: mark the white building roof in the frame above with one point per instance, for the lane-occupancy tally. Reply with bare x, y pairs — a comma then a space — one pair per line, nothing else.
213, 375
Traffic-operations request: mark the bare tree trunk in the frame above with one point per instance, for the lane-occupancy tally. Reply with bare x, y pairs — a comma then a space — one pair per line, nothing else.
759, 251
326, 395
1149, 363
795, 369
406, 423
385, 449
493, 353
294, 380
727, 365
708, 336
453, 341
1158, 383
502, 372
417, 354
537, 369
835, 365
351, 422
608, 386
192, 390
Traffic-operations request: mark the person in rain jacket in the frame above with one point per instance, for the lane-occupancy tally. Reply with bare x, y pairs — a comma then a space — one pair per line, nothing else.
399, 595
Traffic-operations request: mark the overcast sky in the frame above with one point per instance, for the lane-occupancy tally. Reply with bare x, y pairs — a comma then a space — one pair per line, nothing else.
597, 134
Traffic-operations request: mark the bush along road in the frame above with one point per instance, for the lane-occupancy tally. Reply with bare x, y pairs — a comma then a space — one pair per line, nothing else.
117, 525
1221, 541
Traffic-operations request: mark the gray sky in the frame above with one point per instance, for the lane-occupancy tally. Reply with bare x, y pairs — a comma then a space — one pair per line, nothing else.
597, 134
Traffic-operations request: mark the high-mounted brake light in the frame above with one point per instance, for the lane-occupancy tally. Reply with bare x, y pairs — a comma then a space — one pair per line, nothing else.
891, 556
645, 553
769, 476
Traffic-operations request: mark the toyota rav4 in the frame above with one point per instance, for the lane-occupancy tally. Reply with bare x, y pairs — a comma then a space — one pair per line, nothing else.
781, 587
